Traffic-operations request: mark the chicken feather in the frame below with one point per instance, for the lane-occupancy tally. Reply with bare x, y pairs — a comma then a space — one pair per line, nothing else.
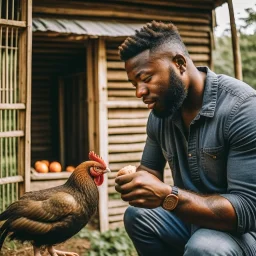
51, 216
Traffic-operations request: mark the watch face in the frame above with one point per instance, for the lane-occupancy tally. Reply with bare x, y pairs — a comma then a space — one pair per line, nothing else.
170, 202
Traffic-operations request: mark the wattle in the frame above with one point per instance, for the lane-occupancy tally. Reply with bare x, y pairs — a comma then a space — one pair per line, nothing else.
99, 180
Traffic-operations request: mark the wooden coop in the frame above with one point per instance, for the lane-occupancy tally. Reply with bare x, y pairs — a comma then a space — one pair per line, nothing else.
79, 98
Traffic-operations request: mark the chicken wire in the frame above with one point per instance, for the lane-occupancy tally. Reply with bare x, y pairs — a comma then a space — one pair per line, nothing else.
9, 10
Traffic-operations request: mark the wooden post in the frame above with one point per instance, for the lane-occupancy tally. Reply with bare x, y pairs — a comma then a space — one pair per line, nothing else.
25, 48
235, 43
97, 114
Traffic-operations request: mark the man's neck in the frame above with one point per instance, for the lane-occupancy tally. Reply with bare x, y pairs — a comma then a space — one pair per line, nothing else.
194, 100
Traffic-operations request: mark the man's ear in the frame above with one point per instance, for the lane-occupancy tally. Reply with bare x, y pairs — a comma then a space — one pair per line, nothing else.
180, 62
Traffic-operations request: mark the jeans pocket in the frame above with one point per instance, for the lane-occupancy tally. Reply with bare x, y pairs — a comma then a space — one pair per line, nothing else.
214, 165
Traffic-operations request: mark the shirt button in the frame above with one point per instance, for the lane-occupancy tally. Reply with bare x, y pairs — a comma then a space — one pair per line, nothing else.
189, 155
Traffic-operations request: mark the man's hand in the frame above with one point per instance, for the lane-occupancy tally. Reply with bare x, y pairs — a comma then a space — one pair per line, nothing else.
142, 189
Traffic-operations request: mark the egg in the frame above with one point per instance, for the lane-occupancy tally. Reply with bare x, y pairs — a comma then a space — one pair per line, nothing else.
70, 168
41, 167
126, 170
46, 162
55, 167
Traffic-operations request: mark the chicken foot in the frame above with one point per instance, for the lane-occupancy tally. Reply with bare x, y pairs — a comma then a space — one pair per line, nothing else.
54, 252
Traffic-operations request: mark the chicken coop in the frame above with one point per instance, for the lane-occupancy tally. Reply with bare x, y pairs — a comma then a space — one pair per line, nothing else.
64, 91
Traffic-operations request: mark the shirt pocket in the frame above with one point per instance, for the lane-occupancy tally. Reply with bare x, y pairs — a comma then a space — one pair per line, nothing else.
214, 165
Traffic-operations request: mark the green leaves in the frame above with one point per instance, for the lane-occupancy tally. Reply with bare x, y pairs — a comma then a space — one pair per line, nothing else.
111, 243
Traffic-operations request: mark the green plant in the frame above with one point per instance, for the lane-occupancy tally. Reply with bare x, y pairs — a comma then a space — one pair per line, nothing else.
110, 243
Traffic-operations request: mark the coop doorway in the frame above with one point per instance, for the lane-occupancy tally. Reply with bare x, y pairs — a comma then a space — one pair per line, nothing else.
73, 119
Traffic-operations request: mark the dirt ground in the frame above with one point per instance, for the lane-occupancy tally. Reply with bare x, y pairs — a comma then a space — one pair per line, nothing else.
77, 245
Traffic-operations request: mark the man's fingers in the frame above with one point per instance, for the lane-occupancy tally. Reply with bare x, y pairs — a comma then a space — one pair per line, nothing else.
123, 179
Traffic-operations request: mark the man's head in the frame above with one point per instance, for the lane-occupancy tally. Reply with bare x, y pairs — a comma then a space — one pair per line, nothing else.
155, 61
153, 36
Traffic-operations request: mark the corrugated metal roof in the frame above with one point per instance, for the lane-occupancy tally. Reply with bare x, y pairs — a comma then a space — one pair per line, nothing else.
85, 27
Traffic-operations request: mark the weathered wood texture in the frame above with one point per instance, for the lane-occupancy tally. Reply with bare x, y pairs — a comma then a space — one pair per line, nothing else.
15, 99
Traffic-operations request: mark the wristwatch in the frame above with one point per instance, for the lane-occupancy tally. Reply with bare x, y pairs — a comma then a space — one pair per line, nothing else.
171, 200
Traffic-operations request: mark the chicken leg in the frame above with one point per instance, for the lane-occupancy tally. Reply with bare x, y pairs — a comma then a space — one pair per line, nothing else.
54, 252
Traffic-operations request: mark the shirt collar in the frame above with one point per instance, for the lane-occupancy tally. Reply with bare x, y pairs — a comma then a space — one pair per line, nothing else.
210, 92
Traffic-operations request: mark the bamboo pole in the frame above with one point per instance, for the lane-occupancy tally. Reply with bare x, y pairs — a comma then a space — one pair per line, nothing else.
235, 43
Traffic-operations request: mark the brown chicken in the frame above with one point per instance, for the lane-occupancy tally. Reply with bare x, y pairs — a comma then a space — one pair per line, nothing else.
51, 216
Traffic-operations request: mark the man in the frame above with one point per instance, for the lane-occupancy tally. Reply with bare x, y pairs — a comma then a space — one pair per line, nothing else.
204, 125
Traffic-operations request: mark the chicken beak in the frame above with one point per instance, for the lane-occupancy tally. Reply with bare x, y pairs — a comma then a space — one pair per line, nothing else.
106, 170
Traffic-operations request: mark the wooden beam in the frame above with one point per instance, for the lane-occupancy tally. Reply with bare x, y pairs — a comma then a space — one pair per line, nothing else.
235, 43
13, 179
12, 134
13, 106
13, 23
103, 129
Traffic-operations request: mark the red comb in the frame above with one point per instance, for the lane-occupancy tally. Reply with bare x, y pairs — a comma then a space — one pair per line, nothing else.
94, 157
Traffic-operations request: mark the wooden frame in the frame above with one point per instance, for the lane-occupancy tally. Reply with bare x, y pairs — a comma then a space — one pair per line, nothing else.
25, 47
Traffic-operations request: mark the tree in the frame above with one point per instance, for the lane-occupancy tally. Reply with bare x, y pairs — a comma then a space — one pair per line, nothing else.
223, 57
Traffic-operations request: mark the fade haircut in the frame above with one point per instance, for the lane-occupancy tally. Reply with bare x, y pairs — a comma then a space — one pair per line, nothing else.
151, 36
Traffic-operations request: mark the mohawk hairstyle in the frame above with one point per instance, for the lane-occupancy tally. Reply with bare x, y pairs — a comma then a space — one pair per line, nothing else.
151, 36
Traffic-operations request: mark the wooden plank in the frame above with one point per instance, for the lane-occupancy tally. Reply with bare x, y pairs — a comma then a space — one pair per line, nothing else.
116, 218
13, 106
128, 113
13, 23
127, 130
126, 104
117, 166
103, 129
61, 130
121, 93
134, 147
121, 85
117, 203
123, 157
49, 176
12, 134
116, 211
11, 179
117, 76
127, 122
122, 139
115, 65
115, 225
120, 12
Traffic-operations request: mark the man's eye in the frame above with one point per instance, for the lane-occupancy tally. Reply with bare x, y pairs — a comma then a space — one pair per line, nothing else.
147, 79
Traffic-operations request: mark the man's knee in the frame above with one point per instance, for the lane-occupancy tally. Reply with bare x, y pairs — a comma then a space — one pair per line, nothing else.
133, 218
210, 242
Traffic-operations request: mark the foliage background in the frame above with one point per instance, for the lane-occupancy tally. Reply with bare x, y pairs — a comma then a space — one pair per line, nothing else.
223, 55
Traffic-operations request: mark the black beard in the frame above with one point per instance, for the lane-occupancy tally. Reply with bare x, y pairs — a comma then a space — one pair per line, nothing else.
173, 98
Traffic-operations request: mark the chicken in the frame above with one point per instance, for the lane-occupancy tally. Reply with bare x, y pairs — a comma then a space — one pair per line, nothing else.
51, 216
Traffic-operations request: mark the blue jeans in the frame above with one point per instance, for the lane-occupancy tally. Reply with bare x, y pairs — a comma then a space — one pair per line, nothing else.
156, 232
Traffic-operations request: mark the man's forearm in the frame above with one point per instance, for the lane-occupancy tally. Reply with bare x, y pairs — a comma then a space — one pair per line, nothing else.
211, 211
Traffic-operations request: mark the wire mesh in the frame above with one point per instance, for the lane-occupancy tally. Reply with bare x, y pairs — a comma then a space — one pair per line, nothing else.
9, 35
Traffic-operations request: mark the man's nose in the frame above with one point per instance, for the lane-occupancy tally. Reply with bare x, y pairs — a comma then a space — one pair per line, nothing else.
141, 90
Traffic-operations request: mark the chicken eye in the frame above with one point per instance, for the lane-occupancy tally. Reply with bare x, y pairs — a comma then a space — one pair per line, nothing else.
97, 168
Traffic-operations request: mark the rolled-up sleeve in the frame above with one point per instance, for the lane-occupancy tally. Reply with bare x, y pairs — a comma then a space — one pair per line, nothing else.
241, 164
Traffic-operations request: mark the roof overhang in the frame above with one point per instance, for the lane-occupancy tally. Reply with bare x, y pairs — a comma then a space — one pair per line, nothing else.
85, 27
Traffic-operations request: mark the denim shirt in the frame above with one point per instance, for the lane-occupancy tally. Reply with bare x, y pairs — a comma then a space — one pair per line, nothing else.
219, 154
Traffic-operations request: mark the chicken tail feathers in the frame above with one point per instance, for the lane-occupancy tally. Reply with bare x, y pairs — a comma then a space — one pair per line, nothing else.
3, 235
